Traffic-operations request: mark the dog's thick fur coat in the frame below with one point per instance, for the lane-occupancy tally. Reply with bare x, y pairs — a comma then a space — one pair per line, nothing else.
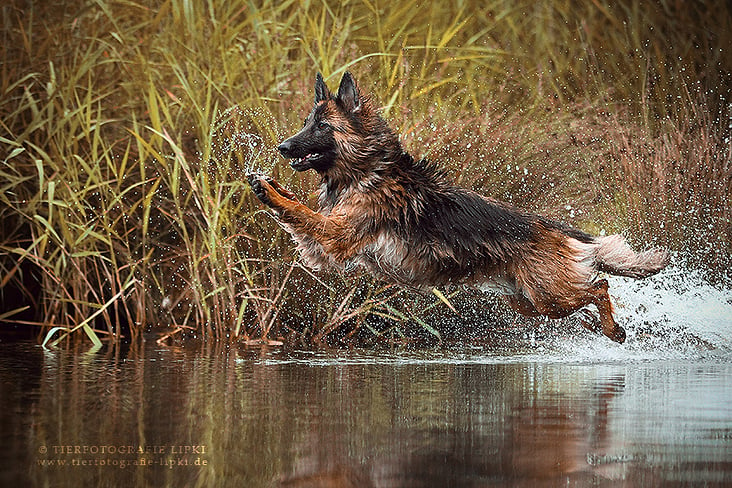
404, 221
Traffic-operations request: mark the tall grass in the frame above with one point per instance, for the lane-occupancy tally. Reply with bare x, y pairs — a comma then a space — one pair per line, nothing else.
127, 128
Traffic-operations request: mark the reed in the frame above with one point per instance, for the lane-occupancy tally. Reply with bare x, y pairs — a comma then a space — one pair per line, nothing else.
127, 128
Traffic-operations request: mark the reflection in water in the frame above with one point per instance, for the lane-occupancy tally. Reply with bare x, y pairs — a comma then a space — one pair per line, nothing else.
183, 417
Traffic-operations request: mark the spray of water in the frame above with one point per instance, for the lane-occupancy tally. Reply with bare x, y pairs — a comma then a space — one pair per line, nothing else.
678, 307
674, 315
244, 141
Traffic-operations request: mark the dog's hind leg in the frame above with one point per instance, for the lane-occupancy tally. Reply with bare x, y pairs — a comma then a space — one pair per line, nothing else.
522, 305
601, 299
567, 300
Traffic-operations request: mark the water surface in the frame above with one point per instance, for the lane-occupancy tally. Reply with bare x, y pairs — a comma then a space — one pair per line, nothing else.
198, 417
575, 411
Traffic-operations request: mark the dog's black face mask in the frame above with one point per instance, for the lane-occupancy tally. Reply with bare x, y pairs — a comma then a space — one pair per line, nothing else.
313, 147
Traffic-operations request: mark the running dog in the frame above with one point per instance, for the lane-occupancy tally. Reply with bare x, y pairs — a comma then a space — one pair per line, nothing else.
403, 220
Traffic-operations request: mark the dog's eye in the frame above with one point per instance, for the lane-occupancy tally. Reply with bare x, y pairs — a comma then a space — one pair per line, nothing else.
322, 125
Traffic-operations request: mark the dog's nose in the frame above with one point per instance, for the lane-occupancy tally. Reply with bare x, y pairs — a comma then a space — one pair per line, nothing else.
285, 148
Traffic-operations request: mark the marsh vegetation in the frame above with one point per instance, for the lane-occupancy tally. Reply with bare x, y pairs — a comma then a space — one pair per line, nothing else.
127, 129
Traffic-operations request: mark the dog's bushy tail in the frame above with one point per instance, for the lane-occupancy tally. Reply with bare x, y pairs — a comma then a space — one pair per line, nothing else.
613, 255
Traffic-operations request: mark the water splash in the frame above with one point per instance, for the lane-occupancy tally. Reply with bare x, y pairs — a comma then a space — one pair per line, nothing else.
674, 315
244, 140
676, 309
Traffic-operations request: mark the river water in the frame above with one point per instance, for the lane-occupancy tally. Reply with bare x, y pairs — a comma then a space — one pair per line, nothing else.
574, 411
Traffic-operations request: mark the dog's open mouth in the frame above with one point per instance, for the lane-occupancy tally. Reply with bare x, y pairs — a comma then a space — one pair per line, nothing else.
305, 162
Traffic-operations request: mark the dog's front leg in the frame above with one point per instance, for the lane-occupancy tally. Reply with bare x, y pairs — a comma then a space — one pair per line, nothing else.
255, 181
334, 232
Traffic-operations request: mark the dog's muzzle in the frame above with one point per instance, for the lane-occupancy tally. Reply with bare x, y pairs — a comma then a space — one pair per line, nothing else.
285, 148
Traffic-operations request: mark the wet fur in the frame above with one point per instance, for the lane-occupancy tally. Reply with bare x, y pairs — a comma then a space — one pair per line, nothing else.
404, 221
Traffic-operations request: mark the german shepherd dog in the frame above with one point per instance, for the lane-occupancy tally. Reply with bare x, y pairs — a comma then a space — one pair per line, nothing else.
404, 221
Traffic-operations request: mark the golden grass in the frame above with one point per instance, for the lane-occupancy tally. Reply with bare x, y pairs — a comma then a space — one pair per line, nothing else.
127, 127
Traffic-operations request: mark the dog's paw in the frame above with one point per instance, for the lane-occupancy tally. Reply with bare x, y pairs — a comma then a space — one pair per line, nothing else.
618, 334
261, 186
258, 177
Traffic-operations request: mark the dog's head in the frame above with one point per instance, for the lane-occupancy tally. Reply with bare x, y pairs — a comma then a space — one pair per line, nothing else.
340, 131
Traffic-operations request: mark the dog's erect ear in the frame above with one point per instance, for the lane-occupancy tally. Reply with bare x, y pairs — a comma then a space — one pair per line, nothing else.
348, 93
321, 91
